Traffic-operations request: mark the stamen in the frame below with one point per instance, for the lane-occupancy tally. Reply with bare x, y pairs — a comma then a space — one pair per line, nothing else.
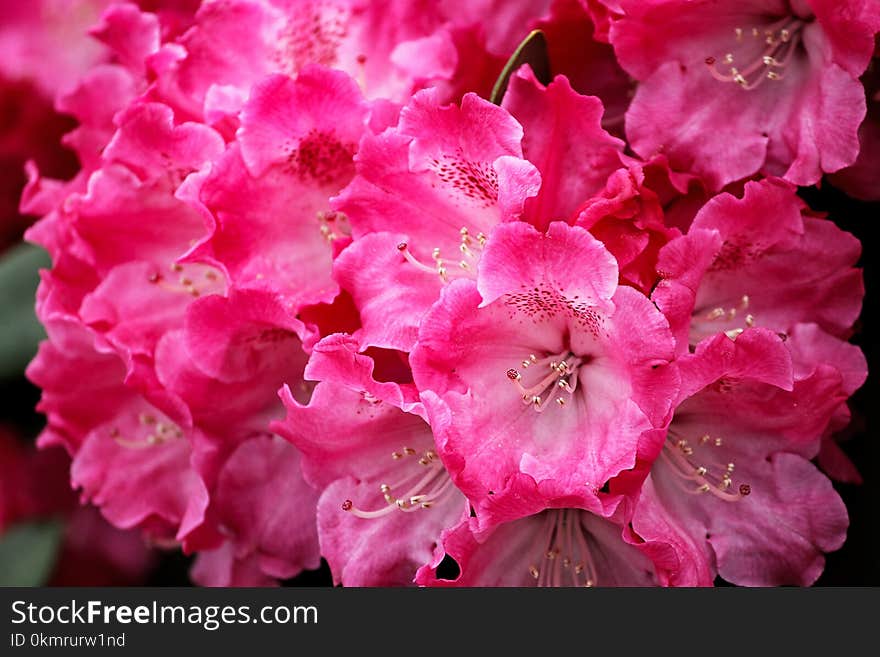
780, 41
722, 314
565, 554
157, 433
468, 247
562, 378
186, 283
678, 454
422, 489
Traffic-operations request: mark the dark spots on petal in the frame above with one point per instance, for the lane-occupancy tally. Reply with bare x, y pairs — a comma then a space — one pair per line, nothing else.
737, 252
544, 303
321, 157
476, 181
312, 34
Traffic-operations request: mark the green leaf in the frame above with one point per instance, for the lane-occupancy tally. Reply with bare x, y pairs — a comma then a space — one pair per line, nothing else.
28, 553
532, 51
20, 332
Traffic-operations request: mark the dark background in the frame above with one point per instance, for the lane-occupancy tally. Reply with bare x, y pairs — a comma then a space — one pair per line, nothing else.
857, 563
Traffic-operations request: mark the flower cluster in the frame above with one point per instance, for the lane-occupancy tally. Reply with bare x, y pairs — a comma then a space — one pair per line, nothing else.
314, 295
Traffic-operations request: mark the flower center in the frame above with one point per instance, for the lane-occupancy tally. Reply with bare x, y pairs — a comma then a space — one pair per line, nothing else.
152, 432
192, 279
762, 54
333, 225
565, 556
708, 321
696, 463
555, 380
469, 247
423, 483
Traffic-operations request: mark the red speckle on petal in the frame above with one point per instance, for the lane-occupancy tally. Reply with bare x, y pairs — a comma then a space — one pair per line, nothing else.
321, 157
477, 181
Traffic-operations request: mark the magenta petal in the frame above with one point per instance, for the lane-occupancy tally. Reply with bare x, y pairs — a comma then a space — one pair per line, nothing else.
572, 169
565, 259
557, 547
268, 230
442, 169
390, 293
316, 121
801, 510
262, 499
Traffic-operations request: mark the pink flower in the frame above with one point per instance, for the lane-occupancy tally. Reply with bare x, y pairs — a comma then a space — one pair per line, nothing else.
768, 87
201, 77
129, 457
733, 474
544, 366
567, 547
385, 495
426, 194
316, 298
165, 320
760, 260
572, 170
240, 349
628, 217
266, 511
266, 198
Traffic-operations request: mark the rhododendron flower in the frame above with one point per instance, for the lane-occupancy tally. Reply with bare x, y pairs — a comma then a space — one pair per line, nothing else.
543, 366
768, 87
742, 264
440, 179
267, 197
128, 456
733, 473
556, 547
386, 497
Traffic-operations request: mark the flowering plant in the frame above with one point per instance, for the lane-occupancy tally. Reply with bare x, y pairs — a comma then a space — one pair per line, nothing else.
381, 282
